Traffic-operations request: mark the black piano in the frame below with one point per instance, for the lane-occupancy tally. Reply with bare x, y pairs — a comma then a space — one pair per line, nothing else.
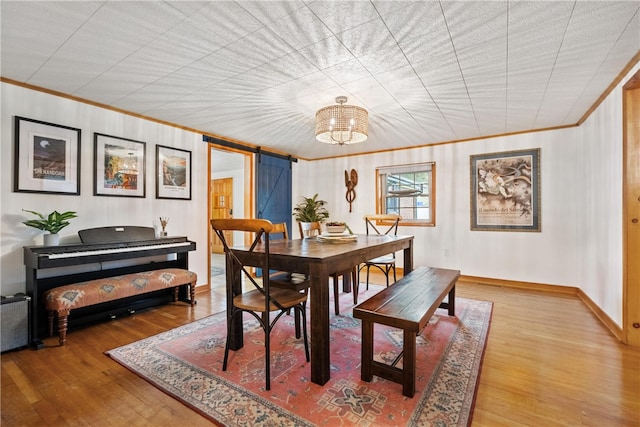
103, 252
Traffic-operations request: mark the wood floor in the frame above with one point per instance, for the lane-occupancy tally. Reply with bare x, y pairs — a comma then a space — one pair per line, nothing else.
548, 362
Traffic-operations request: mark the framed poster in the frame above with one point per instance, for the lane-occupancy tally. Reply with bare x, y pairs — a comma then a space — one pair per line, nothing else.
173, 173
46, 157
505, 191
118, 166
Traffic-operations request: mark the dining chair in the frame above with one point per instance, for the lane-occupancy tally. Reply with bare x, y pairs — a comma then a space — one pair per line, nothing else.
285, 279
315, 230
261, 299
388, 226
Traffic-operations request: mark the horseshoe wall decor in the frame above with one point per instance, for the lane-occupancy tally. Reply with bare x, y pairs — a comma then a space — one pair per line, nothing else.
350, 180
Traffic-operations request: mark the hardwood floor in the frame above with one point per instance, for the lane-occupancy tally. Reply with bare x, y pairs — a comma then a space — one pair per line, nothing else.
548, 362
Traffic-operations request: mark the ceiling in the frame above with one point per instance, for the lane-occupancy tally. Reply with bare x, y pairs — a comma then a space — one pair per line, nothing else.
256, 72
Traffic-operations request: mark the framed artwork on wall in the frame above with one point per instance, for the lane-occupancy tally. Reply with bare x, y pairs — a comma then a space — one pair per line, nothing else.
119, 166
505, 191
173, 173
46, 157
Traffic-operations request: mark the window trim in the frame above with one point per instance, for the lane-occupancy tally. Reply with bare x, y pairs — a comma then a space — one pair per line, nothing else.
411, 167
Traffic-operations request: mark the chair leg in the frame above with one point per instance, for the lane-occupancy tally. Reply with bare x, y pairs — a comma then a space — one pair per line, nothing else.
336, 295
267, 349
297, 323
356, 286
226, 345
303, 314
368, 267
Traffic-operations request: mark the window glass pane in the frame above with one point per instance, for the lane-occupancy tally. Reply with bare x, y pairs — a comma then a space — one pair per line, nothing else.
406, 190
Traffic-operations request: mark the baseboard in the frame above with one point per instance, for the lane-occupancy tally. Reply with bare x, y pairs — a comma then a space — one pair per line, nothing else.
614, 328
570, 290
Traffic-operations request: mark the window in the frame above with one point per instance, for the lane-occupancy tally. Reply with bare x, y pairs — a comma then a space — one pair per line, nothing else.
408, 191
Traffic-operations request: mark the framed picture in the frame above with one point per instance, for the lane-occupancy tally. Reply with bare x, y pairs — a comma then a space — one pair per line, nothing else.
505, 191
119, 166
173, 173
47, 158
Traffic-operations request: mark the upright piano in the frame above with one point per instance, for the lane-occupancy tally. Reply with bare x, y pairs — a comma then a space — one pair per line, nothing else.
103, 252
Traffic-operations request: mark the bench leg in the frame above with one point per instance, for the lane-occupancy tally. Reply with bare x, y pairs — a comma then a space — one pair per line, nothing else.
367, 351
192, 293
63, 317
176, 290
51, 315
409, 364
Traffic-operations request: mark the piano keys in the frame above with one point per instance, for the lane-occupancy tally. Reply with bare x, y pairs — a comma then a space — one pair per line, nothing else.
104, 252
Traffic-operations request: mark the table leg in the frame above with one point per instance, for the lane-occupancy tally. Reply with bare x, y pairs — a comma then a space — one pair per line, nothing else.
408, 259
319, 305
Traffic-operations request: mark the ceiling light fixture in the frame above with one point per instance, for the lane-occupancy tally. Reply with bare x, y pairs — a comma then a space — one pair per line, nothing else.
342, 124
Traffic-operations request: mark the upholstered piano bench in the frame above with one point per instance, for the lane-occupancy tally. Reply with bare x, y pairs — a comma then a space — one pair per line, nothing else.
61, 300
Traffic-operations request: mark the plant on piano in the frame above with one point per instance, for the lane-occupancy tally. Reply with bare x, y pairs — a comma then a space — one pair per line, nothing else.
53, 223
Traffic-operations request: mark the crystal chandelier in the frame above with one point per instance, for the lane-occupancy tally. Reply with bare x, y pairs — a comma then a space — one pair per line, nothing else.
342, 124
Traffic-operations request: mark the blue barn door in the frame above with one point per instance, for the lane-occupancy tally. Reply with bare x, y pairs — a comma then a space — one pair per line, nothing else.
273, 190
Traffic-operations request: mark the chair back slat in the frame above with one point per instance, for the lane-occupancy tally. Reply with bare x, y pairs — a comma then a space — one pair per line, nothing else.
391, 222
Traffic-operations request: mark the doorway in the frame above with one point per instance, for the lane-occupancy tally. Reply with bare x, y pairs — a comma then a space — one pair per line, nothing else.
230, 195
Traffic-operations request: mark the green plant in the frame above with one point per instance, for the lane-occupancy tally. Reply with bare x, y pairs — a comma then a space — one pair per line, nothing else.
53, 223
311, 210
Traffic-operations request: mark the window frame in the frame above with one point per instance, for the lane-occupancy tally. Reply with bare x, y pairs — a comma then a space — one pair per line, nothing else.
381, 206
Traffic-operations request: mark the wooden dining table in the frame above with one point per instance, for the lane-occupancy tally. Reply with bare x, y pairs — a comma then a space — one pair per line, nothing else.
319, 260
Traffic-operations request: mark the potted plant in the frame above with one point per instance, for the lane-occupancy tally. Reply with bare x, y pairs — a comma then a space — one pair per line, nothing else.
53, 223
310, 211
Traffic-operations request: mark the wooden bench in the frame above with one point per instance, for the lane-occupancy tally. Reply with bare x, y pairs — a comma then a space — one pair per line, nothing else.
408, 304
61, 300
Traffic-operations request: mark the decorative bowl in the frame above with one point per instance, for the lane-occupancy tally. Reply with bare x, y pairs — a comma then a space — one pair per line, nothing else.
335, 229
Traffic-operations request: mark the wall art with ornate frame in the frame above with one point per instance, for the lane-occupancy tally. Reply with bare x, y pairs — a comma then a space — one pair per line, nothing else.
505, 191
173, 173
119, 166
46, 157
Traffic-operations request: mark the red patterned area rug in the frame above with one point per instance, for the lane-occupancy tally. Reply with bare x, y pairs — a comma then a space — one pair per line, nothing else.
186, 363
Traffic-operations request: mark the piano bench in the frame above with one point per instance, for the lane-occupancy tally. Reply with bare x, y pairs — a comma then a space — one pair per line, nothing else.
61, 300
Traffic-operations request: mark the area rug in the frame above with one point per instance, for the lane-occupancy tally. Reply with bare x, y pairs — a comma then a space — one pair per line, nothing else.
186, 363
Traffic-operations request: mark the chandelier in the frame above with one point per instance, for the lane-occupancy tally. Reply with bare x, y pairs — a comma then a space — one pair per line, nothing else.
342, 124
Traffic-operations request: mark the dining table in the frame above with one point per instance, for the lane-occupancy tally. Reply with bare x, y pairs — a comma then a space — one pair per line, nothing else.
318, 258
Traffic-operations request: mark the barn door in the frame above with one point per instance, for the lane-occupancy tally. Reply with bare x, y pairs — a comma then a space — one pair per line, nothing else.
273, 189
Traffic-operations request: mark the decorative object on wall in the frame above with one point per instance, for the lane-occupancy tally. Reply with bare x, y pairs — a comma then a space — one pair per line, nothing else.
53, 223
119, 166
173, 173
351, 180
47, 158
505, 191
342, 124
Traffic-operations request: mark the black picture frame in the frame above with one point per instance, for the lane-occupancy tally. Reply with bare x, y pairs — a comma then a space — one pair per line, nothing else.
173, 173
46, 157
119, 166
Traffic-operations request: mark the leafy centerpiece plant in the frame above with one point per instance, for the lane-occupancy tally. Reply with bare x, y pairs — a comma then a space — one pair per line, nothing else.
53, 223
310, 210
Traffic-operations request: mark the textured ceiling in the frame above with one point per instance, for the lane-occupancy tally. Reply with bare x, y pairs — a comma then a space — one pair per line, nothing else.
257, 71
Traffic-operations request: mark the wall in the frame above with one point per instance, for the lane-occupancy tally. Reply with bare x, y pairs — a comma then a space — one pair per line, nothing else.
187, 218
